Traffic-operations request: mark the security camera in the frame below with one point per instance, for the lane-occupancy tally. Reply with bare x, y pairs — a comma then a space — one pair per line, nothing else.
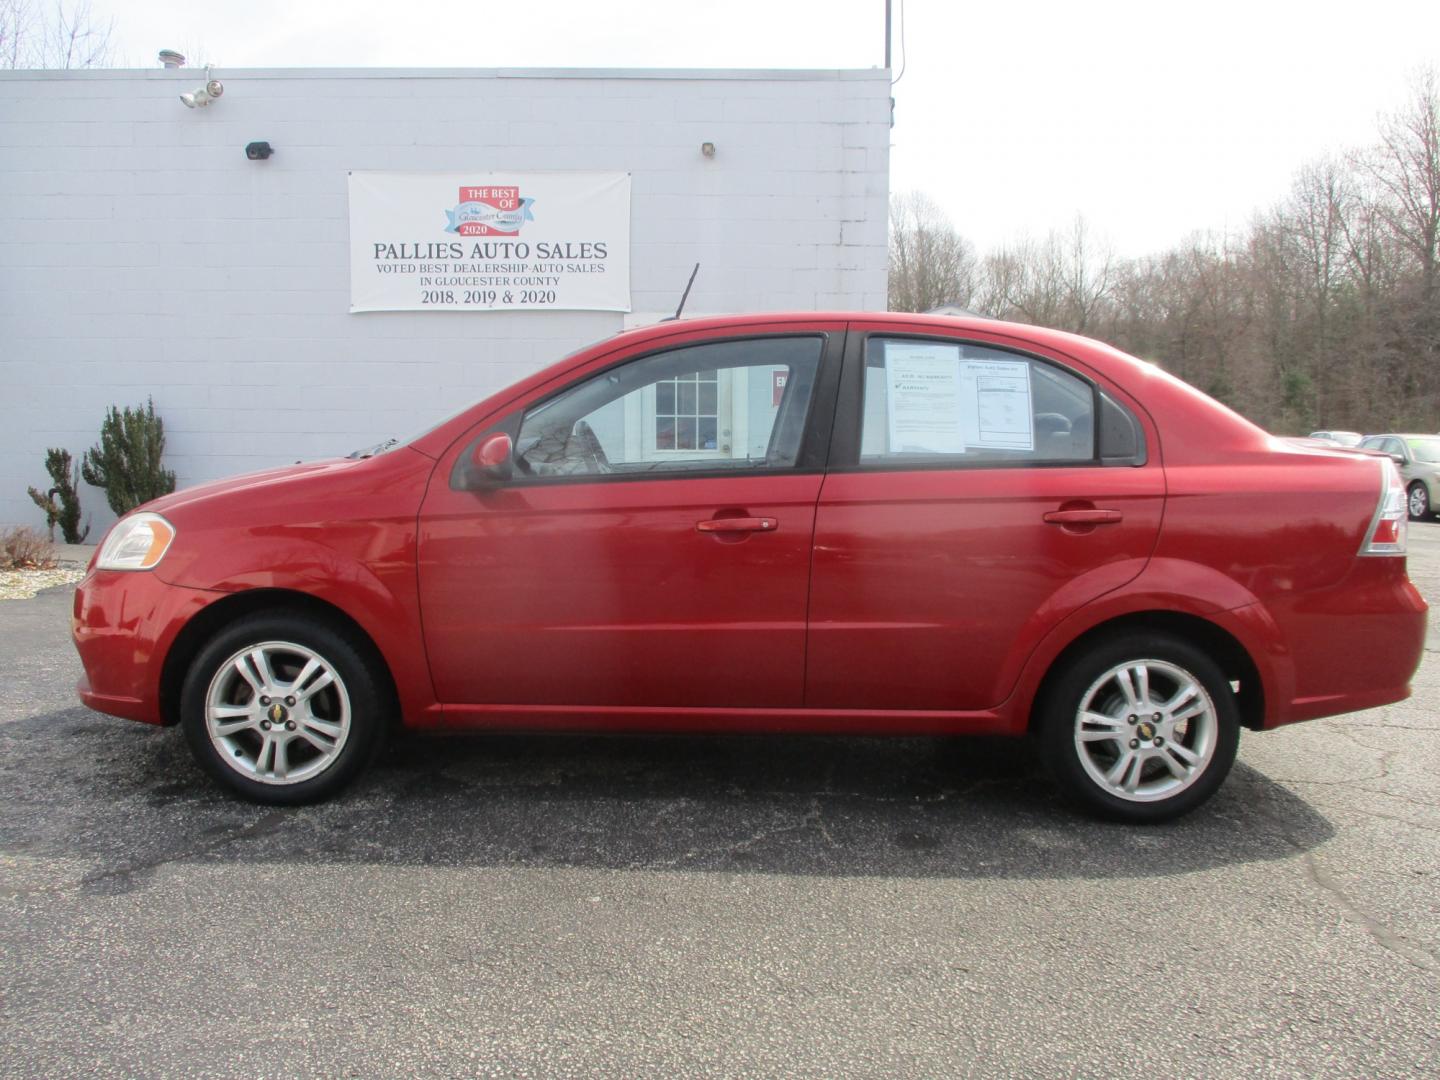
203, 95
258, 151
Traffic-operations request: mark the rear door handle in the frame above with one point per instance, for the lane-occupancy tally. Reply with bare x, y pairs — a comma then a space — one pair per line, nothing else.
1083, 517
737, 524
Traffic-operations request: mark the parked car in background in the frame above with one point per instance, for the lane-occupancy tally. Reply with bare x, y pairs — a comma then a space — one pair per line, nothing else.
860, 524
1339, 438
1418, 458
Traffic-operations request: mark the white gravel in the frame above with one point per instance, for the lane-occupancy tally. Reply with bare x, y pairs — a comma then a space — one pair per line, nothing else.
23, 584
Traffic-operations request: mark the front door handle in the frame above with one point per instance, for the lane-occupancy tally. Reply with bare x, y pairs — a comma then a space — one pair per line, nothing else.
737, 525
1083, 517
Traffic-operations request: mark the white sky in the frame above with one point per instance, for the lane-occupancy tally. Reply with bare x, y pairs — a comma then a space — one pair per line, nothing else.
1152, 119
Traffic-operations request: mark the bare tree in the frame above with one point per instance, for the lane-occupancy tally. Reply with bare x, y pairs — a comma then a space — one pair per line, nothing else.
1407, 165
1062, 281
1405, 168
930, 262
1312, 224
1370, 258
1025, 281
1088, 270
59, 36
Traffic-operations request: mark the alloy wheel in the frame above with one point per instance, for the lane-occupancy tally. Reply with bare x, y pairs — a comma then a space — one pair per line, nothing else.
277, 712
1145, 730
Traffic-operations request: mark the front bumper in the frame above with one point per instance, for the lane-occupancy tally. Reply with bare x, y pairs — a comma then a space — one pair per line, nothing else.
124, 624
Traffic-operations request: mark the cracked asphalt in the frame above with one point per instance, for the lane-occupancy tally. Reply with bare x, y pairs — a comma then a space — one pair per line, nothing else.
592, 907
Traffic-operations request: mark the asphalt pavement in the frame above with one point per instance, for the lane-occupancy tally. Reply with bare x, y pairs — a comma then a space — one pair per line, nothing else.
746, 907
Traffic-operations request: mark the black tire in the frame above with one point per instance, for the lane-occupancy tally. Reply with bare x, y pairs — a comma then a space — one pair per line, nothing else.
1212, 736
1417, 502
355, 703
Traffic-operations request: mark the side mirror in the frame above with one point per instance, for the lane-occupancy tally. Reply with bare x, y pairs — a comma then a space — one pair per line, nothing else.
491, 462
1399, 459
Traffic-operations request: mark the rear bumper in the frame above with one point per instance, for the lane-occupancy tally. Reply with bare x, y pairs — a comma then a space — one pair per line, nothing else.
1353, 649
123, 624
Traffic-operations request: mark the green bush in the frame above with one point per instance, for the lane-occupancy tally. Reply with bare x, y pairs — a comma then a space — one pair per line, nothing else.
62, 502
127, 461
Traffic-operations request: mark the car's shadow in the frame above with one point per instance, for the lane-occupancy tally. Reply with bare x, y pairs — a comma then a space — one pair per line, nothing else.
119, 800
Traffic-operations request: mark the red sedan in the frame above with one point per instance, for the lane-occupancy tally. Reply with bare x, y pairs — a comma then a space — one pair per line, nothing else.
859, 524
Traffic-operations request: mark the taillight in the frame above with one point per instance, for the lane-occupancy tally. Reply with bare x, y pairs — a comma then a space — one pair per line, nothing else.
1388, 531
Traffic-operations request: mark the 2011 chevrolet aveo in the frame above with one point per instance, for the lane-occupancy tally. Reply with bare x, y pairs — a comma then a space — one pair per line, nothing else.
859, 524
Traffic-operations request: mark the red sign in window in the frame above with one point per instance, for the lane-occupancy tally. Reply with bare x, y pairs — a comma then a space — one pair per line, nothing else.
777, 386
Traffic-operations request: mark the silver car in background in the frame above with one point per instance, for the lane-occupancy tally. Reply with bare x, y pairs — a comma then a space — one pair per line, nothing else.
1339, 438
1419, 459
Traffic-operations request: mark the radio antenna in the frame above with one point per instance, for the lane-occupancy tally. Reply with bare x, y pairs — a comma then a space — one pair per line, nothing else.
685, 295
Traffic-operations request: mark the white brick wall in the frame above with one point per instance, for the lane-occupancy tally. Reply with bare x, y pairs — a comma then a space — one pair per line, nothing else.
142, 254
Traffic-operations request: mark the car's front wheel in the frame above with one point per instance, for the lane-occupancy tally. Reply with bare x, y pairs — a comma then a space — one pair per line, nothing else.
282, 708
1140, 727
1418, 502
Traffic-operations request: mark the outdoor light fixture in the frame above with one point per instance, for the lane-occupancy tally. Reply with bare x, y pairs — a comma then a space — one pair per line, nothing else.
203, 95
258, 151
708, 149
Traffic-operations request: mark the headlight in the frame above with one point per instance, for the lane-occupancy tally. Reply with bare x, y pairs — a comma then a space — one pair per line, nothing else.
137, 542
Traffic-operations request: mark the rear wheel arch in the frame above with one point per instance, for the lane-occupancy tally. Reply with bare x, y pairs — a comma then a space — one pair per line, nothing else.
1227, 651
214, 617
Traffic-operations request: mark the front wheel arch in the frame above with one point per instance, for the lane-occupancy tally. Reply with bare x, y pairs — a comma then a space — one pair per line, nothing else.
1222, 646
209, 621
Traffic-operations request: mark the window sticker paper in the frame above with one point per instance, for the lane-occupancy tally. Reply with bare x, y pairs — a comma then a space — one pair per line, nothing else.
923, 399
995, 398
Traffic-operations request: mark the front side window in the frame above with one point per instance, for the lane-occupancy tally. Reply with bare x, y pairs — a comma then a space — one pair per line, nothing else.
1426, 450
965, 404
729, 405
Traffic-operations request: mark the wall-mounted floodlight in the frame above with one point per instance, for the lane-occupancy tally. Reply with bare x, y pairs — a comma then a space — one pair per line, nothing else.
203, 95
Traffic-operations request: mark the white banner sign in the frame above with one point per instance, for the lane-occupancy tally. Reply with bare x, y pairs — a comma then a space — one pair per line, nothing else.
489, 241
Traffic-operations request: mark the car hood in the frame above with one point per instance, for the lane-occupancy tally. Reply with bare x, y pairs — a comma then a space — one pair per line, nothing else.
238, 529
257, 483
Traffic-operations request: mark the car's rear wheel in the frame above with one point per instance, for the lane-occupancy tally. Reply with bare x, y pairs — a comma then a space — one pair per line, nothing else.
282, 708
1140, 728
1418, 502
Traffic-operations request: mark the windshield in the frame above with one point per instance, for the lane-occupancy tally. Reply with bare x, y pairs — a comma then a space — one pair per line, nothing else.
390, 444
420, 432
1426, 450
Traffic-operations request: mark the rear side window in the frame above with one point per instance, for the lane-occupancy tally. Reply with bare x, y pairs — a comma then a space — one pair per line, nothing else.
963, 404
